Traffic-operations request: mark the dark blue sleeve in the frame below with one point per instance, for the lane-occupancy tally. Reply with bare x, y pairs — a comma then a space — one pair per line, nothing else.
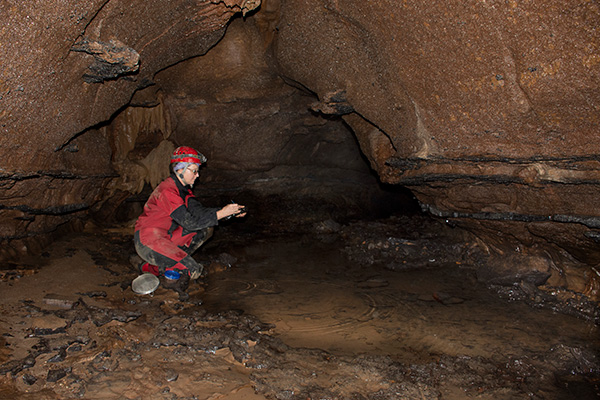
195, 216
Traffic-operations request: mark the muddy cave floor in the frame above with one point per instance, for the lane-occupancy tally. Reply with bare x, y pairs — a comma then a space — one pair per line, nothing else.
386, 309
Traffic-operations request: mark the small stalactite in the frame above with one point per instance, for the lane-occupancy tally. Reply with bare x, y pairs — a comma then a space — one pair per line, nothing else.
132, 123
130, 131
592, 287
157, 163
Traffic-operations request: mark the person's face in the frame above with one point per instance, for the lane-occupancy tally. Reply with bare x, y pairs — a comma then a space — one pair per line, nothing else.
190, 174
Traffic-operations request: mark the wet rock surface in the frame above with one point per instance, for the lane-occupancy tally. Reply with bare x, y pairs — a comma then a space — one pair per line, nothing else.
415, 242
382, 309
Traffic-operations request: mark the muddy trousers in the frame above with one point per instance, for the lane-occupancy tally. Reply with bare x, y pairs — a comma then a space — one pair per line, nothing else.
167, 256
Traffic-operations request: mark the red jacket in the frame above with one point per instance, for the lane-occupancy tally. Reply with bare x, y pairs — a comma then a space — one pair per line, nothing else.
173, 213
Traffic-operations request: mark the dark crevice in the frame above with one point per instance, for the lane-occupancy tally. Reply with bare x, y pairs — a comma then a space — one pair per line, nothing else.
589, 221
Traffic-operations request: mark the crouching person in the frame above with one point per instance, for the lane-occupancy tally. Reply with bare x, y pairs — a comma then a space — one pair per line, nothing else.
173, 224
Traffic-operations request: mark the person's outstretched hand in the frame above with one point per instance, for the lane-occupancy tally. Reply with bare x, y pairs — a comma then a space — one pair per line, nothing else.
231, 210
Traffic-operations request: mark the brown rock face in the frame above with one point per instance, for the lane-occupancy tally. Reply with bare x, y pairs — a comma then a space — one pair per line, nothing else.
487, 110
67, 66
258, 133
54, 52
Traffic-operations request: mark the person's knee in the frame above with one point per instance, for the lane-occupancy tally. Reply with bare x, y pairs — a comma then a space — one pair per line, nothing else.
198, 240
204, 235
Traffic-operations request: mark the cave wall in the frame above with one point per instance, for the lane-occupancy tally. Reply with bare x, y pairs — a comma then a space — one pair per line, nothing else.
68, 67
101, 93
487, 110
261, 137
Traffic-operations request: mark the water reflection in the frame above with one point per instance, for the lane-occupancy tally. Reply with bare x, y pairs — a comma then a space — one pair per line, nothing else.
318, 299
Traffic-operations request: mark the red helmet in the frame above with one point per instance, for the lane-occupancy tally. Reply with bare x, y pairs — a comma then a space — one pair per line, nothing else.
187, 154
